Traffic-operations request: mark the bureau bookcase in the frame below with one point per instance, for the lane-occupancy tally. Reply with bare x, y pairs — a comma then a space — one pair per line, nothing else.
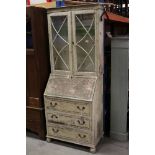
74, 93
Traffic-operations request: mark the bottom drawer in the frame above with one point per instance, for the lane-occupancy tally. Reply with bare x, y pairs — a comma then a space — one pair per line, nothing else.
33, 114
33, 125
69, 134
35, 120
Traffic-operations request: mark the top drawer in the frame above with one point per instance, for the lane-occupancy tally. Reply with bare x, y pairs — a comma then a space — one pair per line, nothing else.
80, 108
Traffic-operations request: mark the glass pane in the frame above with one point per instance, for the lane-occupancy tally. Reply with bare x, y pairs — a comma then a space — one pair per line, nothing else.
87, 66
85, 42
60, 42
65, 55
80, 58
92, 54
58, 63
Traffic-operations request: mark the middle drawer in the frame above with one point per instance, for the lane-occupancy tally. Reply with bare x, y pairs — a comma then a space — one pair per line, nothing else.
69, 120
76, 108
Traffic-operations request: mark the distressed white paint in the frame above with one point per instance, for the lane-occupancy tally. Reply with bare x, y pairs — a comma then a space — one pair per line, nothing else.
74, 99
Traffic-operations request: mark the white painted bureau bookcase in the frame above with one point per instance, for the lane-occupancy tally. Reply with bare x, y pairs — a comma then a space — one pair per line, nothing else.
74, 92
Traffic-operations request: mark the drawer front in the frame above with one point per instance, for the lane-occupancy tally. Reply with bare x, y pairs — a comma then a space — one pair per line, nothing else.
74, 121
33, 114
33, 125
69, 134
33, 102
69, 107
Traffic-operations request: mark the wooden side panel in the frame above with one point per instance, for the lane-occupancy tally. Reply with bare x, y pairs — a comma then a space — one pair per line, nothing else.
32, 77
97, 114
98, 108
37, 60
37, 71
41, 47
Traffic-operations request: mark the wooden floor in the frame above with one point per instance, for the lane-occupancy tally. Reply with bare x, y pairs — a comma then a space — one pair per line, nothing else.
34, 146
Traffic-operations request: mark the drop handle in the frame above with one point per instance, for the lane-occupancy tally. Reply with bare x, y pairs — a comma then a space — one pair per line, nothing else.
81, 108
81, 122
55, 130
54, 116
82, 136
53, 104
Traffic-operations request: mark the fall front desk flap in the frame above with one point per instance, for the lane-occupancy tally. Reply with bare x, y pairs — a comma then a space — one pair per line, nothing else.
81, 88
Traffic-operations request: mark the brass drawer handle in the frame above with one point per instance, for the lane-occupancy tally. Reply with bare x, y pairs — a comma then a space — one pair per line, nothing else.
83, 108
55, 130
54, 116
53, 104
82, 136
81, 122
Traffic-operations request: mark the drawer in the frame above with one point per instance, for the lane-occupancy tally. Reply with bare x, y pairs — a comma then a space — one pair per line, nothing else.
33, 102
69, 134
33, 125
68, 106
74, 121
33, 114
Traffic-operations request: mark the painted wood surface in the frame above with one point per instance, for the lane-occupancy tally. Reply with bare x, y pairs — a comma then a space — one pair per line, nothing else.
77, 108
70, 134
74, 98
69, 120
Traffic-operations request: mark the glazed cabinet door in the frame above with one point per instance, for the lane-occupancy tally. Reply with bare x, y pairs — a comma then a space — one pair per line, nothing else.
59, 27
84, 35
